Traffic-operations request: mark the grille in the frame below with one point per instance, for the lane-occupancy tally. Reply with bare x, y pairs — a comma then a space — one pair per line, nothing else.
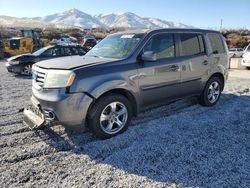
39, 76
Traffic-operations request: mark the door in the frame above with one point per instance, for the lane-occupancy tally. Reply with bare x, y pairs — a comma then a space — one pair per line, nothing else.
159, 80
194, 63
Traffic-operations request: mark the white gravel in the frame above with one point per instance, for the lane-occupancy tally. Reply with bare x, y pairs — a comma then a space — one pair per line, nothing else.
177, 145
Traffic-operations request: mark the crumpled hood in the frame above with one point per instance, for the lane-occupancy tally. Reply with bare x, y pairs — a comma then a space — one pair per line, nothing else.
19, 56
71, 62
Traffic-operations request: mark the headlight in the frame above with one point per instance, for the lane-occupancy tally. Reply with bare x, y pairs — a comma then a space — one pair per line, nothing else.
14, 62
59, 78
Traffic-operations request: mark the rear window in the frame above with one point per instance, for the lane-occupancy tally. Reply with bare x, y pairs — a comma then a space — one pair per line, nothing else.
191, 44
216, 43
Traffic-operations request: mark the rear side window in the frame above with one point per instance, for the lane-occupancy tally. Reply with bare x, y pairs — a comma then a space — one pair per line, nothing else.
82, 51
216, 43
191, 44
66, 51
162, 45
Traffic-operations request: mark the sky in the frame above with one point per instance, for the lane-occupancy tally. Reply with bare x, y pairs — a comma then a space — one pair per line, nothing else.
198, 13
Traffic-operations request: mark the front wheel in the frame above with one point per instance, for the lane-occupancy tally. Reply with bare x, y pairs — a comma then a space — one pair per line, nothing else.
212, 92
27, 70
110, 116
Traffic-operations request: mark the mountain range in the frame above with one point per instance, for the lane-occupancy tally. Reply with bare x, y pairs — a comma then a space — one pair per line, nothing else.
77, 18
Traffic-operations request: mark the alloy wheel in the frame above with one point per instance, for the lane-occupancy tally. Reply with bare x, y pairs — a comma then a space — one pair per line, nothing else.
213, 92
114, 117
27, 70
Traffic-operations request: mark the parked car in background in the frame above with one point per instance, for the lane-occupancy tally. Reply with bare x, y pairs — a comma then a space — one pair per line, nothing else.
67, 40
89, 41
236, 52
126, 73
22, 64
246, 58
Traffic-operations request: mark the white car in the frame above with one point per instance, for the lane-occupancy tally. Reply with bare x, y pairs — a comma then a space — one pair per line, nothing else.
246, 58
236, 52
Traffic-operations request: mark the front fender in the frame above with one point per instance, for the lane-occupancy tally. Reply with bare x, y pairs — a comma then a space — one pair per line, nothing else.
112, 85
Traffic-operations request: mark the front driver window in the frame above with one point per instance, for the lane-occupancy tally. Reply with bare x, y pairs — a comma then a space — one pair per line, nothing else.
162, 45
52, 52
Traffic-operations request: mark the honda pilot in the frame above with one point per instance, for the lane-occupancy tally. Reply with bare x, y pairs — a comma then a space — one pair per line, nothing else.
126, 73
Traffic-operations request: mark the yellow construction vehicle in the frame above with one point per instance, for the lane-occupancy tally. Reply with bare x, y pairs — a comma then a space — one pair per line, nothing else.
29, 42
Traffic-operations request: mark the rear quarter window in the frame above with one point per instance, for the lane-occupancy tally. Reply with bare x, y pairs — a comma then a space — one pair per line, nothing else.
216, 43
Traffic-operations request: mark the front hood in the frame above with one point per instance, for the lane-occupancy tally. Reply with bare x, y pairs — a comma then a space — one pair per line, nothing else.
71, 62
17, 57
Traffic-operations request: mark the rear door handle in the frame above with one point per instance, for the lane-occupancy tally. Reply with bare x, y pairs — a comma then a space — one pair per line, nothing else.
205, 62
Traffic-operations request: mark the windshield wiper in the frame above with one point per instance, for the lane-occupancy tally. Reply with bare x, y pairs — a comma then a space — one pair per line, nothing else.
95, 56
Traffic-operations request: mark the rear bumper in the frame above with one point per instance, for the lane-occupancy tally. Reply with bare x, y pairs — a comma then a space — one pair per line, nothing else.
56, 106
13, 68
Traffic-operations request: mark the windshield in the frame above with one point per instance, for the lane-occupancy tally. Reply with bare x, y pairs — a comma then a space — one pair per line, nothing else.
248, 49
40, 51
117, 46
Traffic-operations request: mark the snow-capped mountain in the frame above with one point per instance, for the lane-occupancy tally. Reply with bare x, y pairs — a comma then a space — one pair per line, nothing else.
129, 19
77, 18
72, 17
9, 21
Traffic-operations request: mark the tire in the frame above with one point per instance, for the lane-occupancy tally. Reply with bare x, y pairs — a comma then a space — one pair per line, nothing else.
211, 94
248, 68
110, 115
27, 70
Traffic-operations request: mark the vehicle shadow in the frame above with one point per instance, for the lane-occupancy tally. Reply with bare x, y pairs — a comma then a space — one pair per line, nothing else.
23, 77
194, 146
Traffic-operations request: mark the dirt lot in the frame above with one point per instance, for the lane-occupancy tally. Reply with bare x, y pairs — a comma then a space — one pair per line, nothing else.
181, 144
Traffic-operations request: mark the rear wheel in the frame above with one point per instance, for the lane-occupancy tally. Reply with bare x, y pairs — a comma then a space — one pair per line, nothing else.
212, 92
27, 70
110, 115
248, 68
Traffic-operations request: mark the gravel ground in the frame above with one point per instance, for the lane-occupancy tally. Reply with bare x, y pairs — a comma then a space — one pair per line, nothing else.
177, 145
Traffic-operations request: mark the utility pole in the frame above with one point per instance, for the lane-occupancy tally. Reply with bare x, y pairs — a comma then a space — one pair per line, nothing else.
221, 23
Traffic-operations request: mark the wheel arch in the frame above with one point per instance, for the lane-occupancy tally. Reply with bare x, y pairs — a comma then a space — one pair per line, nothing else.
220, 76
124, 92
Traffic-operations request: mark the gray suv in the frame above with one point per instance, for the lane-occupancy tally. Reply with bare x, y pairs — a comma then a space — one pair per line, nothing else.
126, 73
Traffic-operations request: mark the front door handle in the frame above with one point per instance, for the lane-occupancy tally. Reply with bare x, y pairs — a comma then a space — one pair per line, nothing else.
205, 62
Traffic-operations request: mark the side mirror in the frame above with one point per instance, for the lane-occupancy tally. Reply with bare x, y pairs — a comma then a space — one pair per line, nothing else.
149, 56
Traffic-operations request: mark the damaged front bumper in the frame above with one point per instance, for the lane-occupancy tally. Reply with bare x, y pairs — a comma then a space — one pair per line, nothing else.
33, 117
56, 106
